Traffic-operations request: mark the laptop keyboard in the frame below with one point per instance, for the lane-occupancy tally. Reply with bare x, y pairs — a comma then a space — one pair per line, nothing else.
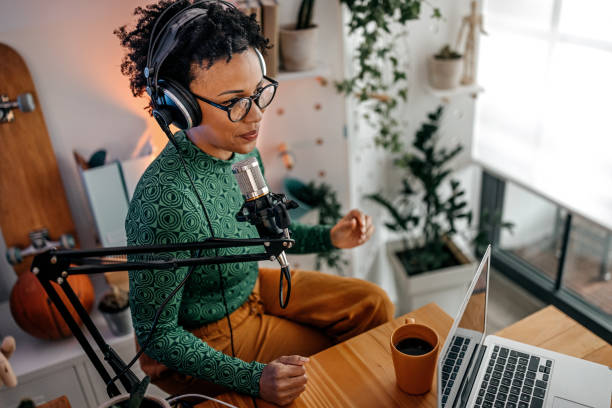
453, 361
514, 380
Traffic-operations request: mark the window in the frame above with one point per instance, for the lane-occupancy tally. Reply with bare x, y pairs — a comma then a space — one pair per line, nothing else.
544, 137
543, 120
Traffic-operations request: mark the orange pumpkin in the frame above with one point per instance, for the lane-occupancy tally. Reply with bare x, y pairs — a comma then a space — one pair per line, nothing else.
36, 314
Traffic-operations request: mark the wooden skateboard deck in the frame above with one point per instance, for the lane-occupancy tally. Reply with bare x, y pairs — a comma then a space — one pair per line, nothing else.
32, 195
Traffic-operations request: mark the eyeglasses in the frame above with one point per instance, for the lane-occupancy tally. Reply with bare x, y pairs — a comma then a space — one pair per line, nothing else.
238, 108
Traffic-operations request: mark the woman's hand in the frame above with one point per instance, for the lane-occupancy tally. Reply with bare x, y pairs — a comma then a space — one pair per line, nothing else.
352, 230
283, 379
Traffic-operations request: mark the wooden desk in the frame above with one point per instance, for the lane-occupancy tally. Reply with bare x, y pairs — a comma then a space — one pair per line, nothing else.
359, 372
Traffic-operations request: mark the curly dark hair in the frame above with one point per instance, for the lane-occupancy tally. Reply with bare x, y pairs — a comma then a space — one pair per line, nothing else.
220, 33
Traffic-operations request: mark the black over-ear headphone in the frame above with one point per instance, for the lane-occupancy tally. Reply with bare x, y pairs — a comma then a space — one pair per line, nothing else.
172, 103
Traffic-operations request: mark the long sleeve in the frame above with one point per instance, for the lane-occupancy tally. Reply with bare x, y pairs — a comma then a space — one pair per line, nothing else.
171, 344
166, 210
308, 238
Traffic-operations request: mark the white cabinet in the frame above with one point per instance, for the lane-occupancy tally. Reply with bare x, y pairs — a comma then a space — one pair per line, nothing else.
48, 369
49, 383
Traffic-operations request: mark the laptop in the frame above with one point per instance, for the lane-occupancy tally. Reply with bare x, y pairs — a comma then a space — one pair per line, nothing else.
476, 370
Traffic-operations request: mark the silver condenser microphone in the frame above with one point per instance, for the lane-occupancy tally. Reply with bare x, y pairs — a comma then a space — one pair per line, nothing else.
266, 211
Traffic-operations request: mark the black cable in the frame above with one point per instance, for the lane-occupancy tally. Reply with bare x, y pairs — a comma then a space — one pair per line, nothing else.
212, 234
286, 275
155, 321
189, 272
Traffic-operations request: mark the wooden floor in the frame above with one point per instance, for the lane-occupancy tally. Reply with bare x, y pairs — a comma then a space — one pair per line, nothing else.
582, 274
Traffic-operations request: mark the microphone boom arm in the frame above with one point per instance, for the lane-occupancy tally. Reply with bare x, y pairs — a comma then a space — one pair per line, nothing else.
57, 265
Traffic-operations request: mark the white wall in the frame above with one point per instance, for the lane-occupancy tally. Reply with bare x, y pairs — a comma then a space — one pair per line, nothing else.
74, 59
308, 115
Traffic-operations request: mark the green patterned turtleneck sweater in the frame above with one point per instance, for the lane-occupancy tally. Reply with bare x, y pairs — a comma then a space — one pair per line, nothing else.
164, 209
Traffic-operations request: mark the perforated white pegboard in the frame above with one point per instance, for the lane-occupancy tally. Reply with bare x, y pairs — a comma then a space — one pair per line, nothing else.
308, 115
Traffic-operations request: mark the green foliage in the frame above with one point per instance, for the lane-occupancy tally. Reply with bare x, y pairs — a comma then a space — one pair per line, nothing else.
305, 15
323, 198
488, 223
138, 392
421, 204
373, 21
447, 52
430, 202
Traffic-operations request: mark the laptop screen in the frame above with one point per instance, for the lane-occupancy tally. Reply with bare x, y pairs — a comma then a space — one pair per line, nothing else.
463, 342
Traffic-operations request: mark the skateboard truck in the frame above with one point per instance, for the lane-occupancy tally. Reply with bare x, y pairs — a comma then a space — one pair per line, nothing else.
24, 102
40, 243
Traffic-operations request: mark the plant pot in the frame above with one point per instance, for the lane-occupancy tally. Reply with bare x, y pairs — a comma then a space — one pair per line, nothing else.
298, 48
148, 402
445, 73
446, 286
119, 320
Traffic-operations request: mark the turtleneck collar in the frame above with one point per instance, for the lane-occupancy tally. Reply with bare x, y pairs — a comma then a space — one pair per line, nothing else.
195, 153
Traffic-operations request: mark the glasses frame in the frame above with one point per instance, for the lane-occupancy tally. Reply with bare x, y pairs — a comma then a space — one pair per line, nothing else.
254, 97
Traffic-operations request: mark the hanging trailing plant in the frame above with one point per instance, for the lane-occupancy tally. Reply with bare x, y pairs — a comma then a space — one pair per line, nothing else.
373, 21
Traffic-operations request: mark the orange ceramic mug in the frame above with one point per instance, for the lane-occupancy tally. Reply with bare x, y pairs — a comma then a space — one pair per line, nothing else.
414, 371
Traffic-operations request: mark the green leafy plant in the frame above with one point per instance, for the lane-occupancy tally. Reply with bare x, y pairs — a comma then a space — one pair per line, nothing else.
488, 223
446, 53
305, 15
374, 21
430, 203
137, 393
322, 197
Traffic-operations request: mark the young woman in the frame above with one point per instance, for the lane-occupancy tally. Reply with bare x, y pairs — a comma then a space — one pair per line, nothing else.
229, 333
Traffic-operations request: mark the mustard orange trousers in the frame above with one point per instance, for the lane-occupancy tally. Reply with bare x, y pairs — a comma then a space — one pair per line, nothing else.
323, 310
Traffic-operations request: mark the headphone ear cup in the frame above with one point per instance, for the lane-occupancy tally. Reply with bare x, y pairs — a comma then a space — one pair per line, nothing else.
180, 103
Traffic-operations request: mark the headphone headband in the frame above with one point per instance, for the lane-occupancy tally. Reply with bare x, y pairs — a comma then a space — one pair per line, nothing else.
172, 102
170, 40
168, 36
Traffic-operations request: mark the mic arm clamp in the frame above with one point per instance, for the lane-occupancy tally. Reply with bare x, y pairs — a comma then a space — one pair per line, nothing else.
269, 214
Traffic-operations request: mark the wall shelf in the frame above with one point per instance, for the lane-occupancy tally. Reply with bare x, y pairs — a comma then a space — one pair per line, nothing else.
319, 71
445, 94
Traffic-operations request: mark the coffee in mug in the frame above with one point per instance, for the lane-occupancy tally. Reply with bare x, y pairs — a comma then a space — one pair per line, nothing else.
414, 350
414, 346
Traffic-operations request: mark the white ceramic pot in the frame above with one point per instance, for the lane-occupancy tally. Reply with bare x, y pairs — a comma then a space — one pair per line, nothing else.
446, 286
298, 48
161, 403
445, 73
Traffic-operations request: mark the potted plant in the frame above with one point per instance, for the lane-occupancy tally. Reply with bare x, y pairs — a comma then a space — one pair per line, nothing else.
380, 87
298, 42
445, 68
114, 306
136, 398
431, 262
321, 198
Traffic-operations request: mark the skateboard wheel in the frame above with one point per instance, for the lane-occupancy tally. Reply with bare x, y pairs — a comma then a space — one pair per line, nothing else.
67, 241
13, 256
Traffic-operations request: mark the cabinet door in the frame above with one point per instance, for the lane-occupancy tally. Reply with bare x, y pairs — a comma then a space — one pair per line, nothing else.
46, 385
